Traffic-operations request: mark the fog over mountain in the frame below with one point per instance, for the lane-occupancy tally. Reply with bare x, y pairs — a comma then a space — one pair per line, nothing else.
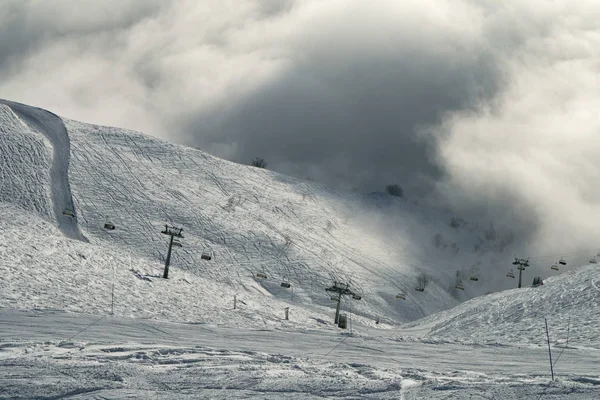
485, 107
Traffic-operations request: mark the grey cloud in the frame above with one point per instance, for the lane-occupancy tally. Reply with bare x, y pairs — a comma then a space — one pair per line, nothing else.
360, 127
29, 26
481, 105
528, 157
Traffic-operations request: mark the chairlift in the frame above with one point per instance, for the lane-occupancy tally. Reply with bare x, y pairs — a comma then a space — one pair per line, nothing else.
356, 297
554, 267
285, 285
510, 274
206, 256
459, 286
334, 298
109, 226
593, 260
177, 243
420, 289
401, 296
562, 262
68, 212
261, 275
474, 278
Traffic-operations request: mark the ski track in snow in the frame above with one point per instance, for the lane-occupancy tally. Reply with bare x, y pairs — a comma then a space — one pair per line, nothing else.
117, 358
52, 127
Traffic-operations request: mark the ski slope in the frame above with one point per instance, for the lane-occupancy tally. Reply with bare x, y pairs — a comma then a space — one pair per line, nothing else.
53, 129
570, 302
90, 357
85, 313
251, 220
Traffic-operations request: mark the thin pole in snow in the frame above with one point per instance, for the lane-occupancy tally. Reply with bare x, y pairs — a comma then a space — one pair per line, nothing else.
568, 330
112, 289
337, 309
112, 299
549, 351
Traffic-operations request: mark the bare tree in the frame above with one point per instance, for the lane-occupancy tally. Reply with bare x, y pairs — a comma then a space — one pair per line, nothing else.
438, 240
457, 222
259, 162
394, 190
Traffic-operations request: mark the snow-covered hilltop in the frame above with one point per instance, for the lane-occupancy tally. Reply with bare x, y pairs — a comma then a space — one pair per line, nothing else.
250, 220
570, 302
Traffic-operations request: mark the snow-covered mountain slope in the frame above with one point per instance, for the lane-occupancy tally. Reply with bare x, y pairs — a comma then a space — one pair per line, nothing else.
41, 268
570, 302
251, 220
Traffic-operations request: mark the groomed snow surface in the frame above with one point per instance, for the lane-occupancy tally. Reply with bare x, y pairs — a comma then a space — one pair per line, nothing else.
53, 354
85, 313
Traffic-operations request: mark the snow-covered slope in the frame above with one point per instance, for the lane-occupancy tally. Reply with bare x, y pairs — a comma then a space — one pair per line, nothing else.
41, 268
53, 354
570, 302
251, 220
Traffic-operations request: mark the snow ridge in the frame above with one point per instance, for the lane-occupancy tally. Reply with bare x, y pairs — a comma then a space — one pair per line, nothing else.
51, 126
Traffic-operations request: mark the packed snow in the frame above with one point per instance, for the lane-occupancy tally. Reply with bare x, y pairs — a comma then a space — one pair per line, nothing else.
81, 356
85, 313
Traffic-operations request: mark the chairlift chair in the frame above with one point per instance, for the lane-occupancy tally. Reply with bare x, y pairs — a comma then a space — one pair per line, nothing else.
334, 298
420, 289
554, 267
474, 278
206, 256
177, 243
459, 286
593, 260
356, 297
261, 275
562, 262
401, 296
510, 274
285, 285
68, 212
109, 226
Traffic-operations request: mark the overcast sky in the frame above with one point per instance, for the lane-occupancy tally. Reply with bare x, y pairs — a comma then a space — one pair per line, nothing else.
490, 107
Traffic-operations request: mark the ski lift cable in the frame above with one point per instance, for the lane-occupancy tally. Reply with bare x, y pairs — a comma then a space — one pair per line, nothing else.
572, 253
566, 344
581, 258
